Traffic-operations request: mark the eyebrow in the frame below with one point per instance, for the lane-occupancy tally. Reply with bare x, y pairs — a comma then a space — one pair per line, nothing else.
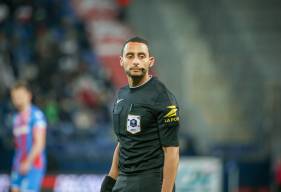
132, 53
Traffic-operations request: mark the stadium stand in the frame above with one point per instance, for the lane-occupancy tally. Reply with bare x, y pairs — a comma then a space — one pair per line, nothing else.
243, 38
59, 47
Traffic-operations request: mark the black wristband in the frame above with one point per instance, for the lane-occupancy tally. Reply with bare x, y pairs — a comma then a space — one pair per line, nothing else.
107, 184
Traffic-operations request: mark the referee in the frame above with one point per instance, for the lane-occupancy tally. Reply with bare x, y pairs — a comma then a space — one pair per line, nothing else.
146, 123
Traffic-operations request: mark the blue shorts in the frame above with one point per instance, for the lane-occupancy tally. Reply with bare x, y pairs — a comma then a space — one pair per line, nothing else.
31, 182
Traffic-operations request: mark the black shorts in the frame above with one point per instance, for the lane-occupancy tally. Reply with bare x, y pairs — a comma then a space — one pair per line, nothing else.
150, 182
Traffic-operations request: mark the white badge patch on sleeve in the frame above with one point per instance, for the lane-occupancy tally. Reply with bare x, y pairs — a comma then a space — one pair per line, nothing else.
133, 124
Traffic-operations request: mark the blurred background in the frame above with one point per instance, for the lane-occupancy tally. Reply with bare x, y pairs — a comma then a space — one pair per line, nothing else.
220, 58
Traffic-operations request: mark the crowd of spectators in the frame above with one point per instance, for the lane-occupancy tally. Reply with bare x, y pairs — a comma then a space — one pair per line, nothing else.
45, 43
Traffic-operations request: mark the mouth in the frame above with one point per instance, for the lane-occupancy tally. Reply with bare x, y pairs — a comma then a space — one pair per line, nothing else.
135, 69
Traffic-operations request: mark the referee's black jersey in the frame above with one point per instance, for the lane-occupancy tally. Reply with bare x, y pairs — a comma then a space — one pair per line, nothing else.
145, 118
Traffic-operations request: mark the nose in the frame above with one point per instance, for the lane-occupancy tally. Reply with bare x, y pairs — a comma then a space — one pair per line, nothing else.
136, 62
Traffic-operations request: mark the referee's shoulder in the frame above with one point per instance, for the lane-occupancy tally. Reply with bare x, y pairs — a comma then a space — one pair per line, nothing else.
122, 89
121, 92
164, 94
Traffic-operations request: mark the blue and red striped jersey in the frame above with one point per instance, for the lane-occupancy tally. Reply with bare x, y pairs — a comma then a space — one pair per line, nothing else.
25, 124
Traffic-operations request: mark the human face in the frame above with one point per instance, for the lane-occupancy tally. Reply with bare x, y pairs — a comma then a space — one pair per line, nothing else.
136, 60
21, 98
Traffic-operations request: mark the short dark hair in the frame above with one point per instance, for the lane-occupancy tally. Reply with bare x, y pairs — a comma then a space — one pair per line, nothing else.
21, 84
135, 39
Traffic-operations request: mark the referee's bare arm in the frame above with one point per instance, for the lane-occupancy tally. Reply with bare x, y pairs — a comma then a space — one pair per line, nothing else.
171, 162
114, 166
110, 180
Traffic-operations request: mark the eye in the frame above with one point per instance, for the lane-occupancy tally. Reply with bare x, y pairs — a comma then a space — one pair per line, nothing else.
129, 56
141, 56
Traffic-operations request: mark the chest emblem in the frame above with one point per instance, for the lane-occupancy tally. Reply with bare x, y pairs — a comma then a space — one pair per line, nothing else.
133, 124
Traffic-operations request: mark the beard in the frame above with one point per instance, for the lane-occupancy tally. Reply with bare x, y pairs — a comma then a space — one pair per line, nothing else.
136, 75
130, 72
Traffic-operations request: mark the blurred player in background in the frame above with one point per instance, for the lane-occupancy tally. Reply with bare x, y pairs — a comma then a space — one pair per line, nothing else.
29, 130
146, 123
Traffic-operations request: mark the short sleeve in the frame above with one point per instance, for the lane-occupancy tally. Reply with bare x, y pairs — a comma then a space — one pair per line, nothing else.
39, 121
168, 119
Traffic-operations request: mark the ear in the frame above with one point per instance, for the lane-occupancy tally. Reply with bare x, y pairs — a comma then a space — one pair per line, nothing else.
121, 61
152, 61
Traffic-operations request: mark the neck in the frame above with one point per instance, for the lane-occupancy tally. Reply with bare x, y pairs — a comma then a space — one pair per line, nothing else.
24, 108
138, 81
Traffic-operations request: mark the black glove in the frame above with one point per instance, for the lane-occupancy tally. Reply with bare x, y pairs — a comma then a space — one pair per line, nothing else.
107, 184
